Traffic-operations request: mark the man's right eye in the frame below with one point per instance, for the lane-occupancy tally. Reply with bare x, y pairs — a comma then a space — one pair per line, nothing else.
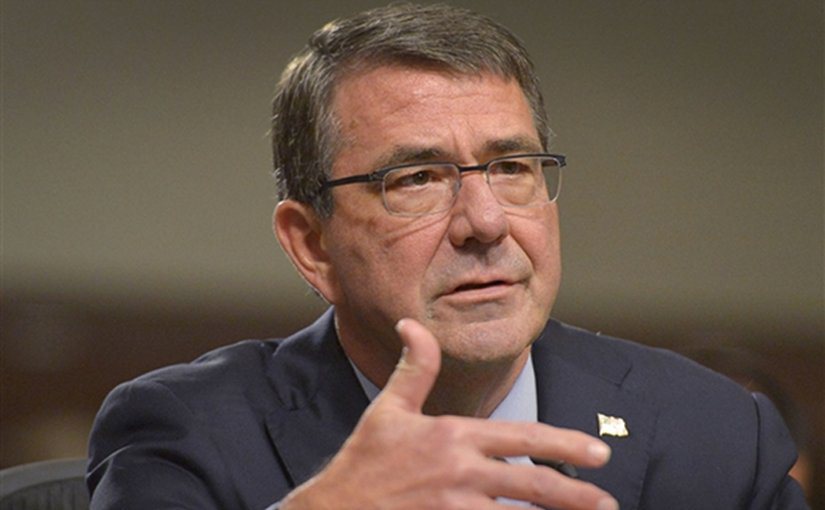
415, 178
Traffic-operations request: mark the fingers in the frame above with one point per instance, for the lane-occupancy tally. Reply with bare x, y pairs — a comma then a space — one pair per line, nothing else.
461, 441
413, 378
512, 439
545, 487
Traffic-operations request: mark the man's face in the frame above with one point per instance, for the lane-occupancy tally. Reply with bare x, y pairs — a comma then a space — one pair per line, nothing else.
480, 276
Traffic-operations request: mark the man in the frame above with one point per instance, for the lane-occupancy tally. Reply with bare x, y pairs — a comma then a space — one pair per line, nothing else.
419, 200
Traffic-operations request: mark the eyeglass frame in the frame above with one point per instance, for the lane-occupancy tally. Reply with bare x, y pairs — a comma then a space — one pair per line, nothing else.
378, 175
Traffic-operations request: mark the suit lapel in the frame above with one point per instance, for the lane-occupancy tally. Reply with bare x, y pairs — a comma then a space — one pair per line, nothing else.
579, 376
320, 397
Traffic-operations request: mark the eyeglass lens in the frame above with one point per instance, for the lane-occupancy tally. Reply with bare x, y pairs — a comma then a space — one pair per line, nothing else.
427, 189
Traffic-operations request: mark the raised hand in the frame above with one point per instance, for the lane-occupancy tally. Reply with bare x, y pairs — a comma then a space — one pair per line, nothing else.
400, 459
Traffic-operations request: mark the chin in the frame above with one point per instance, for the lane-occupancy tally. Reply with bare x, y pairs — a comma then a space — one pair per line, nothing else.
488, 342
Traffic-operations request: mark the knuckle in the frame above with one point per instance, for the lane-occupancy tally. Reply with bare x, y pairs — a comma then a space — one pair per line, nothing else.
460, 500
531, 440
464, 471
447, 500
448, 430
536, 488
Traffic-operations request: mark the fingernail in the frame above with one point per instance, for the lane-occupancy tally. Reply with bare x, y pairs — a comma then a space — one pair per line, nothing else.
599, 452
398, 325
608, 504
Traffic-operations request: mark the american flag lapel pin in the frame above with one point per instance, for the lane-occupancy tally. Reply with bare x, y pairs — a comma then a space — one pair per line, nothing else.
612, 426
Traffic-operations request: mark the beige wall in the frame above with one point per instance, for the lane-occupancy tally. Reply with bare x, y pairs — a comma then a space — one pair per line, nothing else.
135, 159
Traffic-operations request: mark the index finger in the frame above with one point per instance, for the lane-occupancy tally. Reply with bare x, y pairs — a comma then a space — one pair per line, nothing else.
515, 439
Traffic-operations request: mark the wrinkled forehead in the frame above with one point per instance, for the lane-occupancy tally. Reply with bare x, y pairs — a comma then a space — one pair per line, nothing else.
398, 115
338, 117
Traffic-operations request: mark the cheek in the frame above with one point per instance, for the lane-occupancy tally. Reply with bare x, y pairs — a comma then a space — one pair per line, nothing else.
545, 249
408, 260
384, 256
406, 246
539, 239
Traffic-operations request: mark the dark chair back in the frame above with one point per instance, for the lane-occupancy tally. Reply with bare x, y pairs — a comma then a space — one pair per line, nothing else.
48, 485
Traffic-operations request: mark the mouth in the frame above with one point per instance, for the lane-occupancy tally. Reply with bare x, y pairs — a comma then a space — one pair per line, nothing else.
481, 289
478, 286
476, 295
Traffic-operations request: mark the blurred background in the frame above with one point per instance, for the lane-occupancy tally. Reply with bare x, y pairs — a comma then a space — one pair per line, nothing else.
136, 194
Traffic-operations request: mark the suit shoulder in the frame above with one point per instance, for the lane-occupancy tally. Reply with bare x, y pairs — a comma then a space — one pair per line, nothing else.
221, 372
651, 372
252, 374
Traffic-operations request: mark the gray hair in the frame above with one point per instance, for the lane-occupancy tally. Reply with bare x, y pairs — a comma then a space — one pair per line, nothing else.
304, 128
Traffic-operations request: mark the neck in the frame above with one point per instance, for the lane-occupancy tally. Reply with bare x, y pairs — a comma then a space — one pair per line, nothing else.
463, 388
468, 389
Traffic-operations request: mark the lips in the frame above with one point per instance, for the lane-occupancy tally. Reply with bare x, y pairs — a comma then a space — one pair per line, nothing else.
476, 286
497, 273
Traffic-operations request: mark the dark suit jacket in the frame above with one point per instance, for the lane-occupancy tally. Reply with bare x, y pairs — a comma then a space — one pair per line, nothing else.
243, 425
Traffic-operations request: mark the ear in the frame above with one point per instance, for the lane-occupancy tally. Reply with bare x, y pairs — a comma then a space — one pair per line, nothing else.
300, 232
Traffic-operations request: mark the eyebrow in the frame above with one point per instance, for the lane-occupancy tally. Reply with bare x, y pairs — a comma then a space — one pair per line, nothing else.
401, 155
512, 144
408, 154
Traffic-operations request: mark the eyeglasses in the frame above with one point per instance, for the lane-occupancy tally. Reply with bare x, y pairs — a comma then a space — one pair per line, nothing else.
418, 189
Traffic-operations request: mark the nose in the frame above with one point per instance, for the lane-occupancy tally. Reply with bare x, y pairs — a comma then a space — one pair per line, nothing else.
476, 215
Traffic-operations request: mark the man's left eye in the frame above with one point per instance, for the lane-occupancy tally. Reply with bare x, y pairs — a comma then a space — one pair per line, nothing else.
419, 178
511, 167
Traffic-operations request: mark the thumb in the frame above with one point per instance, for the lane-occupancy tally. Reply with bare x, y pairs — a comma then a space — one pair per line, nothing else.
414, 376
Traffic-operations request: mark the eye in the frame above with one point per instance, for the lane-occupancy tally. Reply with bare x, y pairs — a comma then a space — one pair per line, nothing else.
419, 178
414, 177
512, 167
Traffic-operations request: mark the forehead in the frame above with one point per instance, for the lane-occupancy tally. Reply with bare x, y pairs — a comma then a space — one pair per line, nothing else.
390, 108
